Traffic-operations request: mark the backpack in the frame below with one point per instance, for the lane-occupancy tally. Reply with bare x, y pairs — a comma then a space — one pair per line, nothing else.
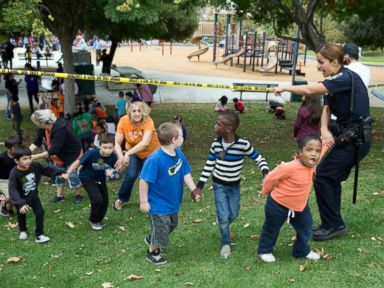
153, 88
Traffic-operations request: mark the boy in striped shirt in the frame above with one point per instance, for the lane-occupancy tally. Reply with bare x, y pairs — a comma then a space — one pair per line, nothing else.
225, 162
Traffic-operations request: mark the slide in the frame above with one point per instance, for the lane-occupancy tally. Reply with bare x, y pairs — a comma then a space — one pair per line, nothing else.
230, 56
197, 40
272, 62
272, 58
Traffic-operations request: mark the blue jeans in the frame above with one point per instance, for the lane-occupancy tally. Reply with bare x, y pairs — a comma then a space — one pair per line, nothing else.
227, 202
73, 179
131, 174
8, 108
275, 216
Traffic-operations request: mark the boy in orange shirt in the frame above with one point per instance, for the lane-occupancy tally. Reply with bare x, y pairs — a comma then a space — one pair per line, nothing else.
288, 187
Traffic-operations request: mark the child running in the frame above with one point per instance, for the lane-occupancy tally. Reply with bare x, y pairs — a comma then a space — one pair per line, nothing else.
225, 162
24, 181
288, 187
95, 165
161, 189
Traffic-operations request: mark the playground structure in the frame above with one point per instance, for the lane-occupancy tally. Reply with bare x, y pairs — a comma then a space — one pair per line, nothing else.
259, 52
197, 40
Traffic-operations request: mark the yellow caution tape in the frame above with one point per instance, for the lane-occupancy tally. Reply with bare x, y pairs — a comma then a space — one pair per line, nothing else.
135, 80
145, 81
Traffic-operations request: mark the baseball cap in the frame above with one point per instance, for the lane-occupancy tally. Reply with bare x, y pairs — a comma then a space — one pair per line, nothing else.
352, 50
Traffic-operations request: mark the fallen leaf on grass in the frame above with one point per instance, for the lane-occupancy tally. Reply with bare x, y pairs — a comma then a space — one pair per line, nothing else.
373, 238
70, 224
243, 178
301, 268
89, 273
10, 225
157, 270
198, 220
107, 285
360, 250
56, 256
255, 237
293, 238
133, 277
122, 228
57, 211
247, 268
291, 280
188, 284
323, 254
246, 225
14, 259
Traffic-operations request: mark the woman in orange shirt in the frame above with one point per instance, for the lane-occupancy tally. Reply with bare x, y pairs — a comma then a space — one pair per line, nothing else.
138, 130
288, 187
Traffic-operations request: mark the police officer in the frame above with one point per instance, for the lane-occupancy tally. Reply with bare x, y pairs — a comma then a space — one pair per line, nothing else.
337, 164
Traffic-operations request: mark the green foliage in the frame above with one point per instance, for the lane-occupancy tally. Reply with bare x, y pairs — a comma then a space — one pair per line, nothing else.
16, 17
81, 257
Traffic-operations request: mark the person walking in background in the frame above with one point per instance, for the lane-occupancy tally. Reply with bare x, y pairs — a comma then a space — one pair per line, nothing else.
225, 162
351, 60
32, 82
145, 93
11, 90
107, 62
120, 106
17, 117
308, 118
97, 47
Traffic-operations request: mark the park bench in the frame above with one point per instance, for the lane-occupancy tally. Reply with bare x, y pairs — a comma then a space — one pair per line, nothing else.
264, 85
36, 57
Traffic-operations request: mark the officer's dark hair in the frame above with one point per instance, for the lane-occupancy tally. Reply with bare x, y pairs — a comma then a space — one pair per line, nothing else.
333, 52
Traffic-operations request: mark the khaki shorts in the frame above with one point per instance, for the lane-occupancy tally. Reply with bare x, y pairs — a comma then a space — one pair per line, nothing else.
4, 187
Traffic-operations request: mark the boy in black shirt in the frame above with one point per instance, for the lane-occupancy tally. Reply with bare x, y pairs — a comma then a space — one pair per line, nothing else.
95, 166
6, 165
24, 181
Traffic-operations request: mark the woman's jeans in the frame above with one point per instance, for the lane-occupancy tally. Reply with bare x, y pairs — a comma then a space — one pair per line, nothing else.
131, 174
275, 216
227, 201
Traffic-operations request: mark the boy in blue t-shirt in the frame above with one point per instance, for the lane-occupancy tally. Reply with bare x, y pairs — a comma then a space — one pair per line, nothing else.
161, 189
95, 166
120, 106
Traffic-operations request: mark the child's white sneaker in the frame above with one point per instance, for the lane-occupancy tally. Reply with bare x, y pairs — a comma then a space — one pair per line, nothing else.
268, 258
41, 239
23, 235
225, 251
313, 256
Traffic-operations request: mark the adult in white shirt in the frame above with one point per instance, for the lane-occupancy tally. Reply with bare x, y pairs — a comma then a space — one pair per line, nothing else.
351, 59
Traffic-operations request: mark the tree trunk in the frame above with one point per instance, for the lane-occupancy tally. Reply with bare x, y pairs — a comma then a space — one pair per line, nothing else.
66, 40
311, 37
112, 51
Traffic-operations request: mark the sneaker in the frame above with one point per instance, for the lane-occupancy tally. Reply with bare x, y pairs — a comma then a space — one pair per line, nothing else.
313, 256
4, 212
117, 205
57, 199
96, 226
147, 241
155, 257
23, 235
41, 239
268, 258
78, 199
225, 251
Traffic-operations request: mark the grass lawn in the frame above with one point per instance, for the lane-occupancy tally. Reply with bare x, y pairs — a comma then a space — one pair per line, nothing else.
367, 57
81, 257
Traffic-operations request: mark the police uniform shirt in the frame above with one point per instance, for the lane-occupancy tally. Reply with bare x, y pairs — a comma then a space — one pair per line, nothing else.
339, 97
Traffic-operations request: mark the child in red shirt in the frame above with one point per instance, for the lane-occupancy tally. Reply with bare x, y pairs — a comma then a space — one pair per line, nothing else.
239, 105
288, 187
